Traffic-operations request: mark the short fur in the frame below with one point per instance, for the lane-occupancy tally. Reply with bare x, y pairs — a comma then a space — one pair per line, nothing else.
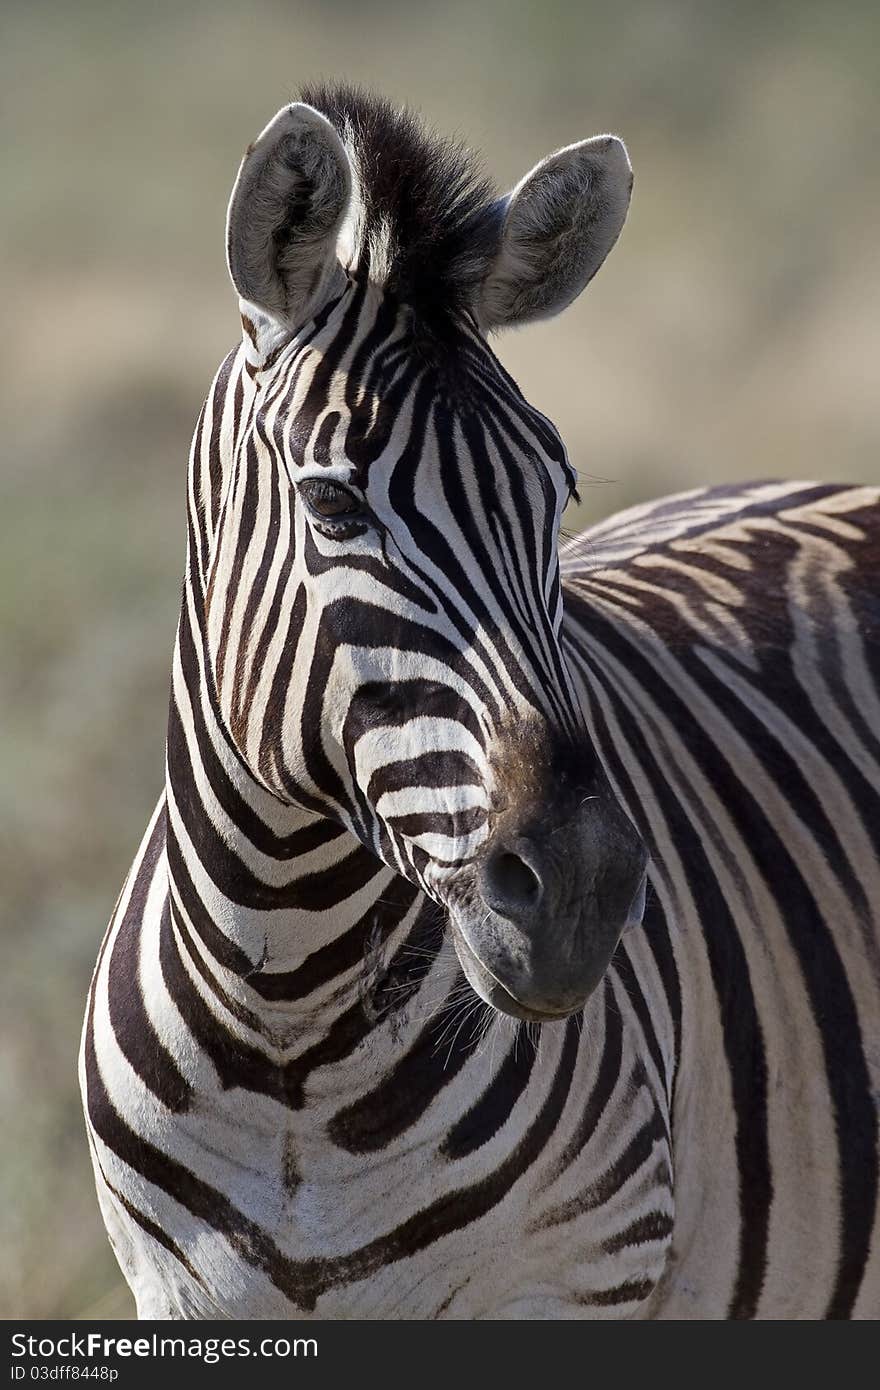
389, 749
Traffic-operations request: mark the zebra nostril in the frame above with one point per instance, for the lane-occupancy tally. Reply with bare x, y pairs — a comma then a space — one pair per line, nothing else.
511, 885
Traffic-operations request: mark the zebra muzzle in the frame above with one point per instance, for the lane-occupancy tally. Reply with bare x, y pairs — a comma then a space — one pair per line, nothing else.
549, 909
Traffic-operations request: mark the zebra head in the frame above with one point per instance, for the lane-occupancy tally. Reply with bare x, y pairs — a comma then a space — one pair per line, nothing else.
384, 602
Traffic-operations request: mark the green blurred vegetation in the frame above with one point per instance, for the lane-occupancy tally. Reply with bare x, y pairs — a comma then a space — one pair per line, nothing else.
732, 334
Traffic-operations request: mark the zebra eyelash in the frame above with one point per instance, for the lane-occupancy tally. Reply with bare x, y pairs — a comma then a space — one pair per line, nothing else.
314, 490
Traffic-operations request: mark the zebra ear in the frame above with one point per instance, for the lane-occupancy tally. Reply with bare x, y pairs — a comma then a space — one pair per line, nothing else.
290, 198
557, 227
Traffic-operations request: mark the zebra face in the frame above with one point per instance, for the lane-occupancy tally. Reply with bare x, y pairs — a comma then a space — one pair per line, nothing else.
394, 505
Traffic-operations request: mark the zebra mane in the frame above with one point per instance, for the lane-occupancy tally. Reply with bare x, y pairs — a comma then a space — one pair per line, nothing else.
428, 223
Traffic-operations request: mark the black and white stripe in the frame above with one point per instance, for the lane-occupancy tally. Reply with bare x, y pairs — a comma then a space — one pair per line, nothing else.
364, 1037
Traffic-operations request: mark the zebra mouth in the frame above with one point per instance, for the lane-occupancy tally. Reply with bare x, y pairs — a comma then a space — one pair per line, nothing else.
492, 991
551, 994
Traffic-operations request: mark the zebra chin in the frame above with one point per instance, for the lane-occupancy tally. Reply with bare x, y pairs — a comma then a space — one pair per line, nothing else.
492, 991
523, 993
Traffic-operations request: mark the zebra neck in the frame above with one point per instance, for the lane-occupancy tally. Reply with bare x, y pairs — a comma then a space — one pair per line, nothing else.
288, 911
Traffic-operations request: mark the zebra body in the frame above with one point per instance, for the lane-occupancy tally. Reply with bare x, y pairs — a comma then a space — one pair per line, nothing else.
298, 1103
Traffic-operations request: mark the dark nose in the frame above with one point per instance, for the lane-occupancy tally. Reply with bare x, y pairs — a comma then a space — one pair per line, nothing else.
559, 889
511, 879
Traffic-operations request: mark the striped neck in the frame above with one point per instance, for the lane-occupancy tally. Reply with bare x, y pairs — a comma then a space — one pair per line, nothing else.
283, 903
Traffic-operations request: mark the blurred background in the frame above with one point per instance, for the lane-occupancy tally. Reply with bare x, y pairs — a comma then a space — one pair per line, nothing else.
731, 335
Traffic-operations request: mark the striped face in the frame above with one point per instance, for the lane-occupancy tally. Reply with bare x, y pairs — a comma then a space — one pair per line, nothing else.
383, 605
383, 625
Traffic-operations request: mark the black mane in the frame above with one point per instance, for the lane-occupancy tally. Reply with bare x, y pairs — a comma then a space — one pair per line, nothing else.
424, 194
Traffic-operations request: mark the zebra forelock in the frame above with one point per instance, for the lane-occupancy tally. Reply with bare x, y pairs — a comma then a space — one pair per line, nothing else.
425, 222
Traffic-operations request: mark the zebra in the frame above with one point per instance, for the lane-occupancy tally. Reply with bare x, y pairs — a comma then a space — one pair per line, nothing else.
503, 944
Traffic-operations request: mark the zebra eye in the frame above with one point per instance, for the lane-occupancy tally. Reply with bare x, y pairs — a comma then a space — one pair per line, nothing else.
329, 500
